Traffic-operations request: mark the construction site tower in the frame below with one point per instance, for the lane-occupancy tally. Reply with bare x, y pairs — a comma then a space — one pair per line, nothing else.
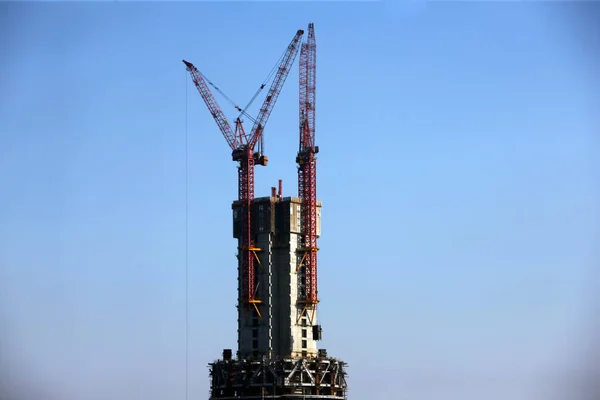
277, 356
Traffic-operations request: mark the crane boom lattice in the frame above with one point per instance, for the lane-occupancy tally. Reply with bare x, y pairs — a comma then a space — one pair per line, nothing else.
247, 156
307, 175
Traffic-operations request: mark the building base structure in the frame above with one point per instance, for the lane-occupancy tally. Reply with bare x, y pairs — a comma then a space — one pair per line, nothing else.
319, 377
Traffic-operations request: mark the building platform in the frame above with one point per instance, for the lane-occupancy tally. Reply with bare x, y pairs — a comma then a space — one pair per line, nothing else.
284, 378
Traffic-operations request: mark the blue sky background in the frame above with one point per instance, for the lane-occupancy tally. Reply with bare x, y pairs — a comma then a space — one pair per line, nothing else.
458, 172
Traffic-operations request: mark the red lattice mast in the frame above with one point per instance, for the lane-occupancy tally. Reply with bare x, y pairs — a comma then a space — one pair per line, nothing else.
307, 171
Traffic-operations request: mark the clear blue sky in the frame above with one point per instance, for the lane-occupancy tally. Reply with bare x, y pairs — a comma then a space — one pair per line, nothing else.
458, 172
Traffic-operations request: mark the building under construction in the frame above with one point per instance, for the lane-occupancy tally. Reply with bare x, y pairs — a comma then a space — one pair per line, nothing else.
278, 331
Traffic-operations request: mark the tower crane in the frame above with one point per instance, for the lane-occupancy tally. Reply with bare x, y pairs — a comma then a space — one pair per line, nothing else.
247, 151
307, 175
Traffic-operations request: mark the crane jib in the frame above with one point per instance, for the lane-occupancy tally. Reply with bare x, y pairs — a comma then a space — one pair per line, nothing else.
244, 153
237, 137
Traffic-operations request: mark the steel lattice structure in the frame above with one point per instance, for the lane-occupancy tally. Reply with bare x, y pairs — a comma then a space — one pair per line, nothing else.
246, 153
307, 173
317, 378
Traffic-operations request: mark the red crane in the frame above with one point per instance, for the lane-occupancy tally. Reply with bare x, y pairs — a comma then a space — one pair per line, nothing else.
307, 174
243, 151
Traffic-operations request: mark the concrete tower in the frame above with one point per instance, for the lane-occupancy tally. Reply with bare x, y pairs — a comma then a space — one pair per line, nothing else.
277, 355
279, 328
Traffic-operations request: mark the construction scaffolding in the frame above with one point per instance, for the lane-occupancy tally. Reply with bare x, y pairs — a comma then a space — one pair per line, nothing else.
286, 378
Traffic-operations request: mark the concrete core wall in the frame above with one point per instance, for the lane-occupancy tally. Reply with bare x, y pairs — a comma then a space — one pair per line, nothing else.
280, 332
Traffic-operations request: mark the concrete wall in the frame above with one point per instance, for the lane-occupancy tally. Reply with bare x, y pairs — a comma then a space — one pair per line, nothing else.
276, 224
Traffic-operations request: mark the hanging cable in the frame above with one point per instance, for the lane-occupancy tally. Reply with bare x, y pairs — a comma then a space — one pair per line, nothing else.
244, 111
262, 86
220, 91
227, 98
186, 237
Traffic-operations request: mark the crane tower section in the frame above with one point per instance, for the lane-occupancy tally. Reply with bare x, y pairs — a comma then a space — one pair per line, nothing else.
307, 179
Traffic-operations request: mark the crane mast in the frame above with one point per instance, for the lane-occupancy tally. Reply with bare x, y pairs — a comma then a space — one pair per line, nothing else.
245, 153
307, 176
